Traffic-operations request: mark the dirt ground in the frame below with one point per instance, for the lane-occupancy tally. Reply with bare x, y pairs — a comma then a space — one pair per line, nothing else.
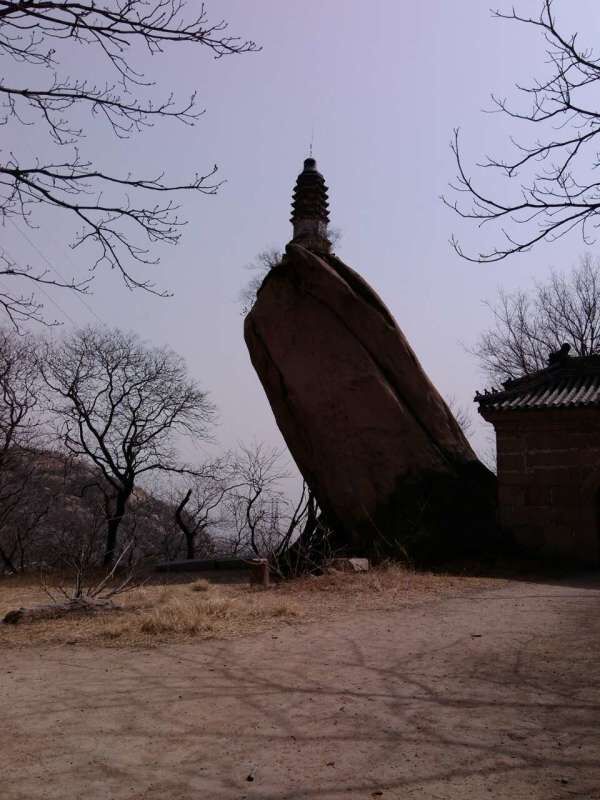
181, 607
493, 693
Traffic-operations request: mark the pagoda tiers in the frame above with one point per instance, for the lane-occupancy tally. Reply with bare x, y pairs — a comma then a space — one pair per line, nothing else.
310, 210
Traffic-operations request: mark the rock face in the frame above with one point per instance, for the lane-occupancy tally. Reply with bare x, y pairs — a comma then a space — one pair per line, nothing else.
382, 452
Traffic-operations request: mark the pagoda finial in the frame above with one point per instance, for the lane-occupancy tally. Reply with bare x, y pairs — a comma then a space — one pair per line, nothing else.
310, 209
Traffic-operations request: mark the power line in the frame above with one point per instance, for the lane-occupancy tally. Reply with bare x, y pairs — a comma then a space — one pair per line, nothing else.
52, 238
54, 269
42, 290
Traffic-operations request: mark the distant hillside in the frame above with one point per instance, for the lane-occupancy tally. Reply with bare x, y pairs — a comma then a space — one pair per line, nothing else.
52, 509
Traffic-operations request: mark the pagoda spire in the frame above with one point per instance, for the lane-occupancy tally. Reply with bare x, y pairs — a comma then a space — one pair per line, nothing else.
310, 209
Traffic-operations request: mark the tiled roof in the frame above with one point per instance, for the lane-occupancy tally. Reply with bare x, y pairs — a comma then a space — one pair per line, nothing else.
568, 383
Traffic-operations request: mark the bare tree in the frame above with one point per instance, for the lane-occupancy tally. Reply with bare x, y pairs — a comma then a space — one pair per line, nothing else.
201, 508
461, 415
264, 521
19, 389
528, 326
85, 595
551, 181
256, 501
262, 265
20, 511
122, 216
195, 522
121, 404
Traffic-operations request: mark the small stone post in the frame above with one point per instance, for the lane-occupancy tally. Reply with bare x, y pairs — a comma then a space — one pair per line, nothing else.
259, 572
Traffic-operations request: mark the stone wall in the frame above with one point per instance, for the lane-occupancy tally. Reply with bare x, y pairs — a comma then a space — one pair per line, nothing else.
549, 480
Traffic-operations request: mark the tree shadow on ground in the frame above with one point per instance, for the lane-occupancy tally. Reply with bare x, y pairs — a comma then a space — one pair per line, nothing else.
495, 695
528, 570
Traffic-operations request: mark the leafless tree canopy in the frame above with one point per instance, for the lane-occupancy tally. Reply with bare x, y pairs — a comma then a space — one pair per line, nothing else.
461, 415
528, 326
120, 405
551, 182
261, 266
261, 519
119, 215
20, 509
199, 507
19, 389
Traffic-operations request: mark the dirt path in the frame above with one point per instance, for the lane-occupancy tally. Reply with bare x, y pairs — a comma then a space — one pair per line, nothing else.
489, 695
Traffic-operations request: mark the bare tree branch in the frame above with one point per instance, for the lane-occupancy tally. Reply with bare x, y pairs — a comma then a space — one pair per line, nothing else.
565, 309
551, 188
115, 215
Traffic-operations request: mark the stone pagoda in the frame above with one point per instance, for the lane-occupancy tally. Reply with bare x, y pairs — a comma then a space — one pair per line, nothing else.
385, 459
310, 210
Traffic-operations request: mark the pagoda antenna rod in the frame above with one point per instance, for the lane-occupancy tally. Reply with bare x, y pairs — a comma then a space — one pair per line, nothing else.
312, 139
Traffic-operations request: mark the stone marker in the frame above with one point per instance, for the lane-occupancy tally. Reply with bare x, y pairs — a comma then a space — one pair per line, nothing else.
259, 572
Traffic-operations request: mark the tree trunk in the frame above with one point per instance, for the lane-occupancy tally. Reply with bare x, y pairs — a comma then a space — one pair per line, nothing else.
57, 610
114, 521
190, 544
21, 554
7, 562
188, 532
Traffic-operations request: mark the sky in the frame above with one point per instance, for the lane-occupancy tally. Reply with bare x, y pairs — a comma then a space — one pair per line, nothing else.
379, 88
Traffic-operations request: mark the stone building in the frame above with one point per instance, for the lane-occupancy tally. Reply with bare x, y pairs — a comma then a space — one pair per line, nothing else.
548, 442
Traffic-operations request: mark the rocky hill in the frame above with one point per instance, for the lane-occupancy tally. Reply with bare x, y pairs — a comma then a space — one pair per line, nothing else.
52, 510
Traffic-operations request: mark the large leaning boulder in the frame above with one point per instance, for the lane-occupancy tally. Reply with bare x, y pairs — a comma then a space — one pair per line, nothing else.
377, 444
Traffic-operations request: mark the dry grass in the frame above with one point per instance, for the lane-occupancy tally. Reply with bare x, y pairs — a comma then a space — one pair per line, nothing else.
385, 587
176, 611
164, 612
201, 585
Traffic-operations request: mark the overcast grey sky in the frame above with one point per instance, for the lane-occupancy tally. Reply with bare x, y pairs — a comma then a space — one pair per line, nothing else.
383, 84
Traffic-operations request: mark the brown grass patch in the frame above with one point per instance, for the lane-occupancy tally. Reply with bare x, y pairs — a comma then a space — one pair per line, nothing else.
201, 585
178, 612
385, 586
196, 608
150, 614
